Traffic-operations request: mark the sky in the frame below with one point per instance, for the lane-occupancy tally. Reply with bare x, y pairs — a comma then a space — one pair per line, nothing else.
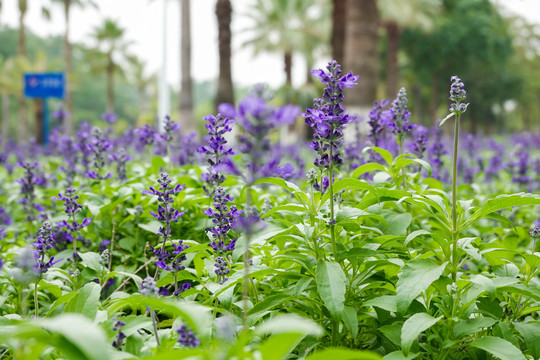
142, 20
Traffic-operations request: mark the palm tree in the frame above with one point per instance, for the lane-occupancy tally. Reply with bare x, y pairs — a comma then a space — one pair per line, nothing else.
395, 16
362, 52
287, 26
67, 4
339, 12
225, 89
21, 52
107, 55
186, 85
4, 129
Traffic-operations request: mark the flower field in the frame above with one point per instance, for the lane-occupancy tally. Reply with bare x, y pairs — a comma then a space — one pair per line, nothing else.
232, 245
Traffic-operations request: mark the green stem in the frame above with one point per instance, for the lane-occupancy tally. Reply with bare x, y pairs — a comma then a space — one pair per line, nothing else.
245, 282
36, 302
455, 232
332, 216
154, 325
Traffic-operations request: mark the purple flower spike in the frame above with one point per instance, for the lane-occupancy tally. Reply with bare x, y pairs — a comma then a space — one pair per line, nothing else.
397, 117
186, 337
327, 117
109, 117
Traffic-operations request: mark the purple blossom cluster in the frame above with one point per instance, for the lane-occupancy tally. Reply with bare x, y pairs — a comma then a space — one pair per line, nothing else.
186, 337
72, 227
457, 94
224, 219
166, 212
120, 158
98, 145
120, 336
397, 117
216, 150
257, 119
43, 244
327, 117
376, 123
29, 181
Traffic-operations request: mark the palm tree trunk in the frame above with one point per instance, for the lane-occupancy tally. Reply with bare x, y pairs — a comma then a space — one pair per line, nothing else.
338, 29
225, 91
110, 85
38, 116
186, 86
68, 64
288, 68
361, 52
5, 118
21, 51
393, 33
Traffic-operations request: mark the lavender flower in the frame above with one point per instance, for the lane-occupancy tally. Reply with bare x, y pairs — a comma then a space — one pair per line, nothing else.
224, 219
457, 94
60, 115
166, 212
435, 156
397, 117
43, 245
376, 125
120, 157
146, 136
28, 182
84, 137
328, 117
186, 337
98, 145
216, 150
5, 219
418, 147
258, 119
169, 128
535, 231
72, 208
26, 266
148, 287
120, 336
109, 117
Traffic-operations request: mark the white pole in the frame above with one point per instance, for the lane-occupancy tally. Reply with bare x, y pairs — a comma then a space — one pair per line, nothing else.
163, 92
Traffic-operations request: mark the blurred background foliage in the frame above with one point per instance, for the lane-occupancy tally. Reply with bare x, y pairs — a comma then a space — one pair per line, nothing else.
420, 43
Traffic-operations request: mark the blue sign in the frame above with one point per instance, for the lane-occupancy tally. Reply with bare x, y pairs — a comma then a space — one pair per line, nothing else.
44, 85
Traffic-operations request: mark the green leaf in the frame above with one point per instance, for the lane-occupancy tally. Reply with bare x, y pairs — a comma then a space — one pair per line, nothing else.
367, 168
349, 184
446, 118
470, 326
267, 304
91, 260
413, 327
152, 226
416, 277
414, 235
331, 286
499, 348
279, 346
289, 324
531, 334
398, 355
79, 333
343, 354
350, 319
386, 302
499, 203
277, 181
398, 224
86, 301
385, 154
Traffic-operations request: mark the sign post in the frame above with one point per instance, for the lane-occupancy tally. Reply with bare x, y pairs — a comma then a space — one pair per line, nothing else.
44, 86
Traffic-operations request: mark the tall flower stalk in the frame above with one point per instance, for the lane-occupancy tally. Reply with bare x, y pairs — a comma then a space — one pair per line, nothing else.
457, 108
327, 118
167, 214
73, 227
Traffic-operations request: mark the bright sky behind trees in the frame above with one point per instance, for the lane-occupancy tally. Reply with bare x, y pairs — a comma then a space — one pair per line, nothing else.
142, 21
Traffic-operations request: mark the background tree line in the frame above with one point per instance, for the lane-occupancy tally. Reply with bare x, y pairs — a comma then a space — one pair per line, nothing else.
411, 43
